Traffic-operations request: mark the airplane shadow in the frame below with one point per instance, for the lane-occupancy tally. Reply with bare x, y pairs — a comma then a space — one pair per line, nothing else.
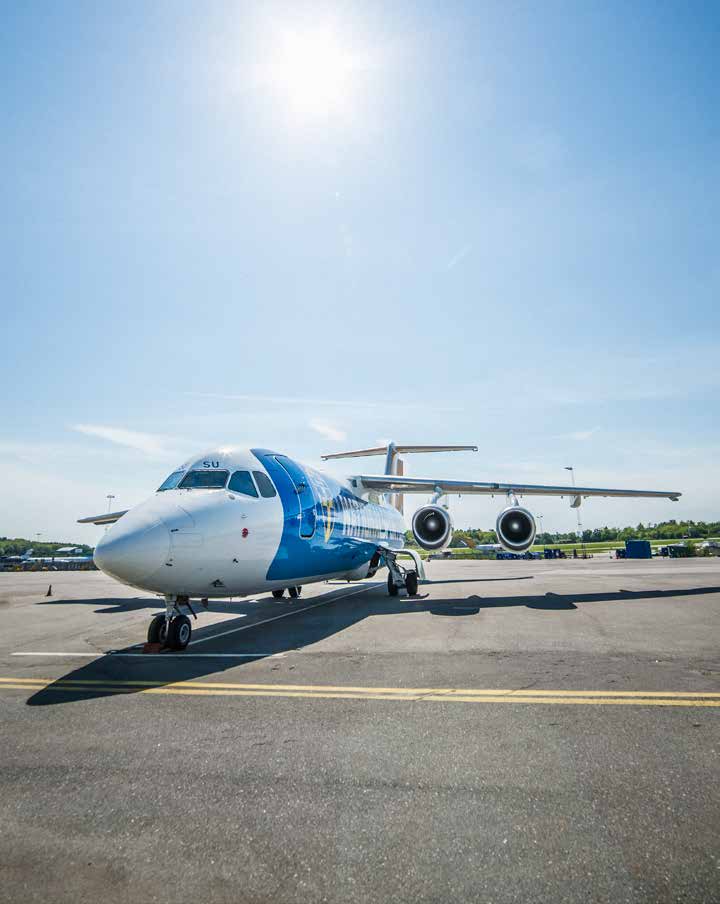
111, 605
522, 577
105, 676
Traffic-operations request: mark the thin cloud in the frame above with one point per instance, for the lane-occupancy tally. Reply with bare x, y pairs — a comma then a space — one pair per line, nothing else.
150, 444
337, 403
328, 431
582, 435
458, 256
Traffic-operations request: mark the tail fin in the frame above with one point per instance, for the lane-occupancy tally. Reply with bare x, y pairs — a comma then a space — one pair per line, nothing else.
393, 462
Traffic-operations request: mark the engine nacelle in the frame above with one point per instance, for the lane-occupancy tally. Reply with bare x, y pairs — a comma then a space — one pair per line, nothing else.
516, 529
432, 527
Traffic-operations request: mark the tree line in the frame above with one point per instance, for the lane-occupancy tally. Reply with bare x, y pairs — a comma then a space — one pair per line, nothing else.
18, 545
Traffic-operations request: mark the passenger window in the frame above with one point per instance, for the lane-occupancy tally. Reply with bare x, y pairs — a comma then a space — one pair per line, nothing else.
264, 484
242, 482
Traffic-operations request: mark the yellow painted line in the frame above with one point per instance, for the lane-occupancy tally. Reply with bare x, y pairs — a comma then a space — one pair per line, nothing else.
412, 691
320, 688
588, 701
200, 692
194, 689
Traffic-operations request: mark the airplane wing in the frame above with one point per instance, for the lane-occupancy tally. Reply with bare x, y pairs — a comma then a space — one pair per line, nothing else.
106, 518
391, 483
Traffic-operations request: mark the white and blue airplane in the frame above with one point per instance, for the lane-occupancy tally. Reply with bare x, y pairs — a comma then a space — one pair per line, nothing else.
235, 522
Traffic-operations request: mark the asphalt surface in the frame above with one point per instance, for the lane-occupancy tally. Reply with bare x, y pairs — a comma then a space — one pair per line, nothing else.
519, 731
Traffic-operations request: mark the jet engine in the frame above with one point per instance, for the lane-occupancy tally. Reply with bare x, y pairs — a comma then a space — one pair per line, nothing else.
515, 528
432, 527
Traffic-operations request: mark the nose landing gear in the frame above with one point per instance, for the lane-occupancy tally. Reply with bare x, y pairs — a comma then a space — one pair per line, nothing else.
171, 629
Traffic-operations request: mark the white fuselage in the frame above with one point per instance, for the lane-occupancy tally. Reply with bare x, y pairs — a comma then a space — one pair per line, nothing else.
238, 522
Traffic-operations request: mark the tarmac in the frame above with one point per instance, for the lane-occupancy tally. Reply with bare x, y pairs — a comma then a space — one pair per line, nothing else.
518, 731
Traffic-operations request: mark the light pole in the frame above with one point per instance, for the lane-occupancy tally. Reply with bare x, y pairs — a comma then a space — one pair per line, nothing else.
109, 498
571, 469
542, 532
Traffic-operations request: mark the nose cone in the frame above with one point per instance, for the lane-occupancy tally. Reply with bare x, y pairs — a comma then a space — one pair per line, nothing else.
133, 550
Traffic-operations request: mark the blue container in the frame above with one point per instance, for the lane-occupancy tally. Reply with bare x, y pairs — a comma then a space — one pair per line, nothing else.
638, 549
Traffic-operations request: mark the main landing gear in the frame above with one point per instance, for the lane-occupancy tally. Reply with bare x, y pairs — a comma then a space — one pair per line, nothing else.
400, 577
172, 628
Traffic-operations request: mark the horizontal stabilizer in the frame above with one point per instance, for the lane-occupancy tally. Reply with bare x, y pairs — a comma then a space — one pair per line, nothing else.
383, 450
107, 518
393, 462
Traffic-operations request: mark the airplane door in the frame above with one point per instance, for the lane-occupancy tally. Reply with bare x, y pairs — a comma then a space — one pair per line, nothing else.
306, 498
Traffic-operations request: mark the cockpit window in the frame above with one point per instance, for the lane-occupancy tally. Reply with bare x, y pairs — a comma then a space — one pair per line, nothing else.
172, 481
205, 480
264, 484
242, 482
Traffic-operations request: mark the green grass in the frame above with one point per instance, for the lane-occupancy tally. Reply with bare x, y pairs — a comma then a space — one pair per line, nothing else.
606, 545
598, 548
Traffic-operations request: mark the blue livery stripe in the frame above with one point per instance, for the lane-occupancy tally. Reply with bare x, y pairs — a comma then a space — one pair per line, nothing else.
326, 528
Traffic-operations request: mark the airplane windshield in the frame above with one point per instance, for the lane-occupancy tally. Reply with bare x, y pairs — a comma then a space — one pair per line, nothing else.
205, 480
171, 482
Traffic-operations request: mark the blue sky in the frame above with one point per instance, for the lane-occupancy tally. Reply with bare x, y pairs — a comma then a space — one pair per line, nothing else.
314, 226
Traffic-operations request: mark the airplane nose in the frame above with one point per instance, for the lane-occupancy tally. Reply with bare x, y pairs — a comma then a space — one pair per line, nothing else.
131, 553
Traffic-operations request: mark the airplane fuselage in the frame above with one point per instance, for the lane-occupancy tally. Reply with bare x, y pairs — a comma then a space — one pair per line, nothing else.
242, 522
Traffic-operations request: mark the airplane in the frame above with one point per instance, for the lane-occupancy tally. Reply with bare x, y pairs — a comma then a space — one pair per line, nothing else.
28, 557
234, 522
61, 560
25, 557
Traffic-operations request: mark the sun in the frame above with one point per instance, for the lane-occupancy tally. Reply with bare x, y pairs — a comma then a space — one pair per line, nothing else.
313, 73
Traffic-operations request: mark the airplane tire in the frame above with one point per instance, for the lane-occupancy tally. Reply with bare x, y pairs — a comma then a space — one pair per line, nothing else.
411, 583
294, 592
157, 631
279, 594
392, 589
180, 632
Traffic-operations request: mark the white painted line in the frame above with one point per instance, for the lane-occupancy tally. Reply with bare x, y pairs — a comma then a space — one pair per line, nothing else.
98, 655
202, 655
159, 655
85, 655
284, 614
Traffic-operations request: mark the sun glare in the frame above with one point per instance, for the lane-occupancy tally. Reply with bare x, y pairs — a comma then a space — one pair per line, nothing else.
313, 73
